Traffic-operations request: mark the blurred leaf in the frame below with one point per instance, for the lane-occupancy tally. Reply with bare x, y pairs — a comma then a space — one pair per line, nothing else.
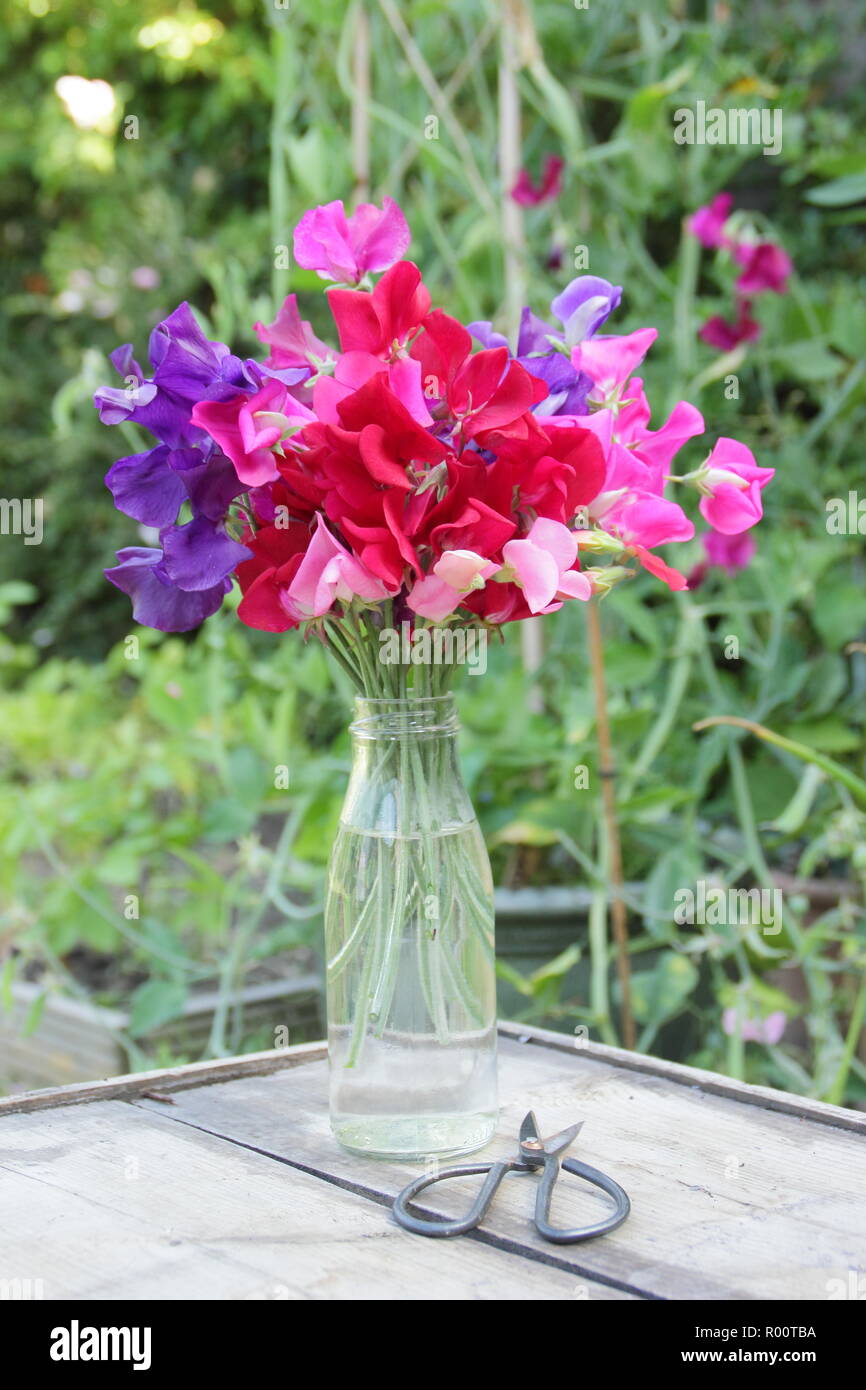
154, 1003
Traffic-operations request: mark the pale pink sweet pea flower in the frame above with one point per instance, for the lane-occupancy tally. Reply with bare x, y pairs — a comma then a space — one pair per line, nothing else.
345, 248
541, 564
731, 482
327, 573
454, 574
768, 1030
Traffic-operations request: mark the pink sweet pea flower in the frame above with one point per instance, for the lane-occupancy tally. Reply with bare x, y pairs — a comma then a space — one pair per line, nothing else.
768, 1030
610, 361
708, 222
765, 267
528, 195
725, 336
291, 339
329, 572
729, 553
731, 482
345, 248
249, 428
542, 565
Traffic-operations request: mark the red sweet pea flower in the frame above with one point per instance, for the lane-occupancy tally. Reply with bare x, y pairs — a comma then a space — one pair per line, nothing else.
264, 580
381, 322
487, 392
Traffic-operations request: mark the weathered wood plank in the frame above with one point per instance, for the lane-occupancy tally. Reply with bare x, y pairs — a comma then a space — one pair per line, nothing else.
111, 1201
165, 1079
710, 1081
730, 1201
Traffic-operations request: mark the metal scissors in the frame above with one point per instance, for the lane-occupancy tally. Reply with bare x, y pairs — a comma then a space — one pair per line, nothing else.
533, 1153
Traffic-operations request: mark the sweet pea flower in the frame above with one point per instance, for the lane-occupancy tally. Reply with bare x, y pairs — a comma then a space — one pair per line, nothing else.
731, 484
725, 336
249, 428
707, 223
327, 573
541, 565
610, 360
345, 248
767, 1030
455, 574
729, 553
765, 267
525, 192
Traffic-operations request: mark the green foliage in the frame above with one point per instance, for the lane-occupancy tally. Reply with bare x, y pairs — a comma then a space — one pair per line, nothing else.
150, 780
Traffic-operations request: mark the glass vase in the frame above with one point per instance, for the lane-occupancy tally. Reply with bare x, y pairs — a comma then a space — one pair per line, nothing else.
409, 943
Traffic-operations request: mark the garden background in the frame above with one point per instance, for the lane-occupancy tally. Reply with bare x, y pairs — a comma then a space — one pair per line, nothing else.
150, 855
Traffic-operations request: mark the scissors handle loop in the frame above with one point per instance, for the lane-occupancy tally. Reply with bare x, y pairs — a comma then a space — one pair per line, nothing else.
561, 1235
440, 1225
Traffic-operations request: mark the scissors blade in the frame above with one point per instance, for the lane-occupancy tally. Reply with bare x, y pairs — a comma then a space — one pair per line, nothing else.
563, 1139
529, 1128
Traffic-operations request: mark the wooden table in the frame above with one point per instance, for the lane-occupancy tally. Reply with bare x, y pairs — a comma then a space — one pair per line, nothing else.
221, 1181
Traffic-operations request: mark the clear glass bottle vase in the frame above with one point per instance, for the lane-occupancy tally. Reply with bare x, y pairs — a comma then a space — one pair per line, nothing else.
409, 943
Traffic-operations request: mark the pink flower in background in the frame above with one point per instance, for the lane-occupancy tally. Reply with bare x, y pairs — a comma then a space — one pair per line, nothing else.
726, 336
708, 222
528, 194
145, 277
731, 482
767, 1030
765, 267
729, 553
345, 248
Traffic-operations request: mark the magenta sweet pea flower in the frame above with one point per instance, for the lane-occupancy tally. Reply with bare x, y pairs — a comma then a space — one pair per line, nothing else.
731, 483
765, 267
528, 194
345, 248
609, 361
707, 223
725, 336
729, 553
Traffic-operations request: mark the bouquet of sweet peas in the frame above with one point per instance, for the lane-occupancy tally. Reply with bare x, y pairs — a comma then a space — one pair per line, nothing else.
425, 473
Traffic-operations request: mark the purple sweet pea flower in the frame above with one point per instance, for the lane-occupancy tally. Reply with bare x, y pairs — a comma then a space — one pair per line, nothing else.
187, 367
584, 305
582, 308
200, 555
156, 602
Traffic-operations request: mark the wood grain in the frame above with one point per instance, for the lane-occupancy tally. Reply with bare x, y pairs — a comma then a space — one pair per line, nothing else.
108, 1201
